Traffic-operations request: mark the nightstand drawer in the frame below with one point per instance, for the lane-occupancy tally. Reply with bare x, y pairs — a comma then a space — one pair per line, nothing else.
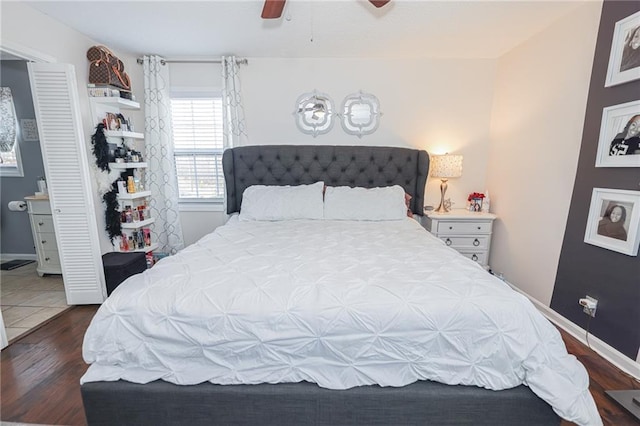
448, 227
479, 256
467, 242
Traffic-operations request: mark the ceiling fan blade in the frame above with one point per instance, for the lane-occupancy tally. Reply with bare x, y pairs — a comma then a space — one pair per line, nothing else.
272, 9
379, 3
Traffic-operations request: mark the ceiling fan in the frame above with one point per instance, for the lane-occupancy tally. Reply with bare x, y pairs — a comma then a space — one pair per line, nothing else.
273, 8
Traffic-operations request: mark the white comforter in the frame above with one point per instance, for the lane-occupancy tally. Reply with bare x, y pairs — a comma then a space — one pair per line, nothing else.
341, 304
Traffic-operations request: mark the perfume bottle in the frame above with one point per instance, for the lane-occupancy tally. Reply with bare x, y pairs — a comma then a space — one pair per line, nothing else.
131, 187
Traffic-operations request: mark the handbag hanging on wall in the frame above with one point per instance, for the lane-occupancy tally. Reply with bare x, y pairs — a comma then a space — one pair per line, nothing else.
106, 68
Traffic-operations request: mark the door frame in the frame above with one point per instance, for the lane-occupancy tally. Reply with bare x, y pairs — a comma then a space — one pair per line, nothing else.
32, 55
27, 54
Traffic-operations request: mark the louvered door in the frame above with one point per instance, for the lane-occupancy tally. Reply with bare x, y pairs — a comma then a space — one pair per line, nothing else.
55, 98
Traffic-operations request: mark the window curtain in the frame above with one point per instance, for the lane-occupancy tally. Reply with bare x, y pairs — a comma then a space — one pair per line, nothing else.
234, 128
235, 132
161, 178
8, 122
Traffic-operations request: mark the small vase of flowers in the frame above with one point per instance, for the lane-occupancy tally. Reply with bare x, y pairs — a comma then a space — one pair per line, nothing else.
475, 201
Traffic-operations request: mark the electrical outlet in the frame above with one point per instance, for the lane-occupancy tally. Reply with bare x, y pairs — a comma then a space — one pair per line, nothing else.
589, 305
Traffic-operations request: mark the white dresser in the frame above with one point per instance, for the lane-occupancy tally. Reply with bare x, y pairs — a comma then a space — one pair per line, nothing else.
44, 236
467, 232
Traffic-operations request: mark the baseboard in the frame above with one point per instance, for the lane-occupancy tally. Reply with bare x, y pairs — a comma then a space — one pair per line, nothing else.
609, 353
14, 256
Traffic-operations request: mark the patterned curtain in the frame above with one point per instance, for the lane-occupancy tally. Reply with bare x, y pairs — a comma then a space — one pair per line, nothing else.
161, 177
235, 132
8, 120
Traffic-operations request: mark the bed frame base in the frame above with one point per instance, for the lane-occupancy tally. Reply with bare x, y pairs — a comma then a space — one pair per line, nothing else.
421, 403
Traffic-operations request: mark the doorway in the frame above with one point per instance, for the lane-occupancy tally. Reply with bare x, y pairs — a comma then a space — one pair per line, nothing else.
28, 298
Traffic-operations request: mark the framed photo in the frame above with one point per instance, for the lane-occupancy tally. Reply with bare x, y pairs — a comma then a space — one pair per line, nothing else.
614, 220
29, 130
619, 141
624, 58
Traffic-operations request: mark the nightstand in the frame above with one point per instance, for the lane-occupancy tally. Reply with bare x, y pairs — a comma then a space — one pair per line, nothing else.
467, 232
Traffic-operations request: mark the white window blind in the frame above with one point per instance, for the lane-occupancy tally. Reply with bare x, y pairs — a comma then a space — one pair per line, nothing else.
198, 145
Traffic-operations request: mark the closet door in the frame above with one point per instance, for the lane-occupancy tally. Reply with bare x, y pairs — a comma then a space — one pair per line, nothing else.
64, 151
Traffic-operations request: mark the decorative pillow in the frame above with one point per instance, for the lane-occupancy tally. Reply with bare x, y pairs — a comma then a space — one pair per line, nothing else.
345, 203
271, 203
407, 201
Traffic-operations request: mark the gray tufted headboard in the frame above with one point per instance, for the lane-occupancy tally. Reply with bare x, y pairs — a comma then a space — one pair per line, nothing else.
365, 166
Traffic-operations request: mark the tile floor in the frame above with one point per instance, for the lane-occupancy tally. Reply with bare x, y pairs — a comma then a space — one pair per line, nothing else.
28, 300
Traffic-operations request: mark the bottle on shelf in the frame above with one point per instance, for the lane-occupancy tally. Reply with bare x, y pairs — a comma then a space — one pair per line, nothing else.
131, 186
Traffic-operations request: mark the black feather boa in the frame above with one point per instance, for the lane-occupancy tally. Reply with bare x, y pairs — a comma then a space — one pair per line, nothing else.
111, 214
100, 148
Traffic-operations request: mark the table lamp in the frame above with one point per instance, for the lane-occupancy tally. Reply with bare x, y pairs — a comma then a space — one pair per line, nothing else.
444, 167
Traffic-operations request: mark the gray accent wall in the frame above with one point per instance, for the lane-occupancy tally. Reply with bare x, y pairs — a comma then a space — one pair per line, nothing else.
611, 277
16, 237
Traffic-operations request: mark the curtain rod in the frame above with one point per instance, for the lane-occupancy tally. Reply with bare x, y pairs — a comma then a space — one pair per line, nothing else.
239, 61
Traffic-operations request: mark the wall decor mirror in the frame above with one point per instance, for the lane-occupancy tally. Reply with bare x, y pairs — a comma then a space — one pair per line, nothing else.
360, 114
314, 113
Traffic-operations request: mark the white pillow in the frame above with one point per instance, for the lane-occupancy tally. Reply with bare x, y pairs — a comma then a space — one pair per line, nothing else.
345, 203
271, 203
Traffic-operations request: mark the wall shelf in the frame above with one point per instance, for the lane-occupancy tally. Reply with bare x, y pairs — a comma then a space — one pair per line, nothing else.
147, 249
134, 195
117, 102
122, 166
138, 224
123, 134
101, 108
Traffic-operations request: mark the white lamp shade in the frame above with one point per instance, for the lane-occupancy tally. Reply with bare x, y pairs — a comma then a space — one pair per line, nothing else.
446, 166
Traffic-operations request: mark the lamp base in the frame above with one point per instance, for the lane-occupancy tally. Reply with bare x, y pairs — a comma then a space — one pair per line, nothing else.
441, 209
443, 189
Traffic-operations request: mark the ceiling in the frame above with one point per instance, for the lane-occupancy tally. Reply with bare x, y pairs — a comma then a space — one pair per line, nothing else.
316, 29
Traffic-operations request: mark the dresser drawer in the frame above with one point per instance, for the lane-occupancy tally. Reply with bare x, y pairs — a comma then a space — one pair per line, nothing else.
467, 242
450, 227
43, 223
46, 242
50, 260
39, 207
478, 256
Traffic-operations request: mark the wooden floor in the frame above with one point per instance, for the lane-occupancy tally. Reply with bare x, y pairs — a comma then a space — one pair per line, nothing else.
40, 375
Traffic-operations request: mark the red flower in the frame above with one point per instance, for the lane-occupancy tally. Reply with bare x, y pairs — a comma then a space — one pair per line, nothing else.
475, 195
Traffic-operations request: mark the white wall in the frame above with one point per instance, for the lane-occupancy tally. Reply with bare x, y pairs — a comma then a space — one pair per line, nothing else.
439, 105
23, 26
536, 128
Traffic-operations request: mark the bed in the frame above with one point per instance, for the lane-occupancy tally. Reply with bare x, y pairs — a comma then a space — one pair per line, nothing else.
325, 322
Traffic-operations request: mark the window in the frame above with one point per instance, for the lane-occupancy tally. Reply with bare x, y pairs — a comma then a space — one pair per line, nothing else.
198, 145
10, 163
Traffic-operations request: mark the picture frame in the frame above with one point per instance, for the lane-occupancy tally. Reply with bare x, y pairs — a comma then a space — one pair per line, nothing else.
624, 57
619, 140
614, 220
29, 130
